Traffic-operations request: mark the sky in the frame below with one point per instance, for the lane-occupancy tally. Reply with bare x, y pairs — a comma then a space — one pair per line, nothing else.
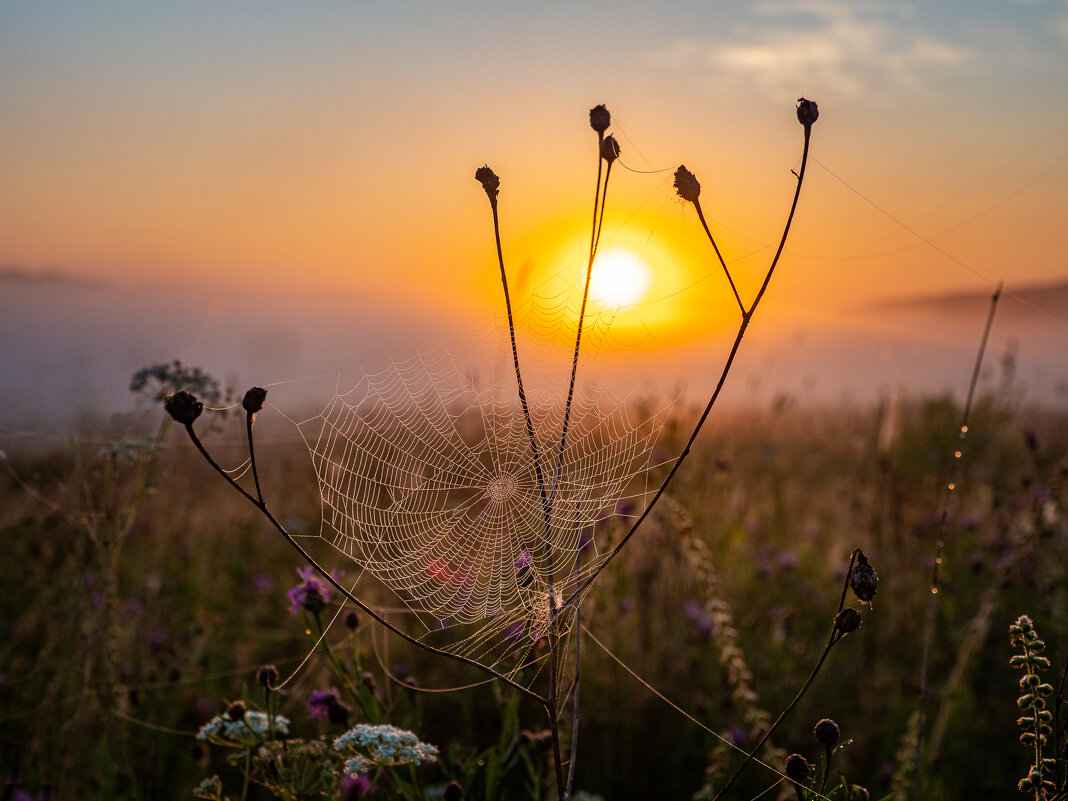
326, 150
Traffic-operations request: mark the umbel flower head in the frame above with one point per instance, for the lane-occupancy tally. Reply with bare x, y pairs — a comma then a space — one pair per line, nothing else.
370, 746
686, 184
600, 119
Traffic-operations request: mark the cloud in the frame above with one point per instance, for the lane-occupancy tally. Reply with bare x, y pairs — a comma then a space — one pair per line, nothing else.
830, 46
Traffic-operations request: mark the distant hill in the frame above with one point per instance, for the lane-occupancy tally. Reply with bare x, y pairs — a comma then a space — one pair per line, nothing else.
1017, 302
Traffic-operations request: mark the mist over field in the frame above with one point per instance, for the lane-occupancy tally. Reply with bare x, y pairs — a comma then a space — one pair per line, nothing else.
70, 346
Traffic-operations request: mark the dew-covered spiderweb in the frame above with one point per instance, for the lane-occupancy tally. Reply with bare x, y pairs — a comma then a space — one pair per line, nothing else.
428, 481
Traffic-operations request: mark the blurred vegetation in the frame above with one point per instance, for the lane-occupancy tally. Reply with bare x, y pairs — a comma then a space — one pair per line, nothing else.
142, 595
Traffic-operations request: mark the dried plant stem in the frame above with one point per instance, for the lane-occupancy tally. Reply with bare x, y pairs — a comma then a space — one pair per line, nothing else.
262, 507
940, 546
747, 316
835, 637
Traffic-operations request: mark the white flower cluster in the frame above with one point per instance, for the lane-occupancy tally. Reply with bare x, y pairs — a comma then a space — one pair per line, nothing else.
250, 730
378, 746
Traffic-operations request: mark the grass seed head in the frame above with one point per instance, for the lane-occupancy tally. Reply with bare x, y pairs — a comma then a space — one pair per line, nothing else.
847, 620
267, 676
863, 579
797, 768
827, 732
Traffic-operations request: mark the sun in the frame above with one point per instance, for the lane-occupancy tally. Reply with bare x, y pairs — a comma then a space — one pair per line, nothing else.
619, 278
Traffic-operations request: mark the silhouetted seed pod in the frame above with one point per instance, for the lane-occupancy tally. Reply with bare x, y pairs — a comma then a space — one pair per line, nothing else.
454, 792
827, 732
368, 680
183, 407
236, 710
253, 400
610, 149
489, 180
686, 184
863, 579
797, 768
352, 621
600, 119
337, 713
847, 620
267, 676
807, 112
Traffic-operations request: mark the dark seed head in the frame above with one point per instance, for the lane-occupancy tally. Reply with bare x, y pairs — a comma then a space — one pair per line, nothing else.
337, 712
827, 732
490, 182
236, 710
267, 676
368, 680
797, 768
609, 149
863, 579
600, 119
847, 620
352, 621
183, 407
253, 400
807, 112
454, 792
686, 184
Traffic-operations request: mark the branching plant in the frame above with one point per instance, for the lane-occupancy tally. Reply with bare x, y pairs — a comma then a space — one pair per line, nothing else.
563, 584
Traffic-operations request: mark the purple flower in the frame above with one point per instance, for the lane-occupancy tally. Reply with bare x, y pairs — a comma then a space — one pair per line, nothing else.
356, 786
700, 616
262, 583
157, 638
787, 559
327, 705
312, 593
134, 607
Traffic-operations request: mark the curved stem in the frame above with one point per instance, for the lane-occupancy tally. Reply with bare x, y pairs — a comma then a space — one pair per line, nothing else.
337, 585
715, 247
747, 316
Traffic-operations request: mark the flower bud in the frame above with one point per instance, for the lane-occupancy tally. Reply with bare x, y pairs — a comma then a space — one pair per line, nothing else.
183, 407
368, 680
863, 579
609, 149
267, 676
847, 620
253, 400
352, 621
686, 184
797, 768
600, 119
827, 732
490, 182
236, 710
807, 112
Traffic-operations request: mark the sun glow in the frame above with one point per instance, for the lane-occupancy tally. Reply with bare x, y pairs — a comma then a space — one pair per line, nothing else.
619, 278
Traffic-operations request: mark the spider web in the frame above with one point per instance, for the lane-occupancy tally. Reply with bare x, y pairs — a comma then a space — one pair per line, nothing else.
428, 482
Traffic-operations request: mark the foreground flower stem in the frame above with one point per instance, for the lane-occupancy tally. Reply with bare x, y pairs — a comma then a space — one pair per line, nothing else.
836, 635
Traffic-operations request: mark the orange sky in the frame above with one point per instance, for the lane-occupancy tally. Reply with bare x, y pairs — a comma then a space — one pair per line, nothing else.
333, 147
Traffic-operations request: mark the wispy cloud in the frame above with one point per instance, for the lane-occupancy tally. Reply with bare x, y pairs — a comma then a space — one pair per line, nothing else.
838, 46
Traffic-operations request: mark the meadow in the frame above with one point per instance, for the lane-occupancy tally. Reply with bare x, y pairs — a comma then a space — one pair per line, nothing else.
143, 595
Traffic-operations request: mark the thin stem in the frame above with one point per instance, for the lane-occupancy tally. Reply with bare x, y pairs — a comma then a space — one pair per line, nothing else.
715, 247
252, 456
337, 585
575, 702
747, 317
836, 636
940, 545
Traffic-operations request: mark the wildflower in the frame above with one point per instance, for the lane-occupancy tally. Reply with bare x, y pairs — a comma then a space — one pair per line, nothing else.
311, 594
490, 182
250, 730
211, 787
609, 149
807, 112
267, 676
847, 620
686, 184
183, 407
253, 400
600, 119
863, 579
368, 681
381, 745
827, 732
